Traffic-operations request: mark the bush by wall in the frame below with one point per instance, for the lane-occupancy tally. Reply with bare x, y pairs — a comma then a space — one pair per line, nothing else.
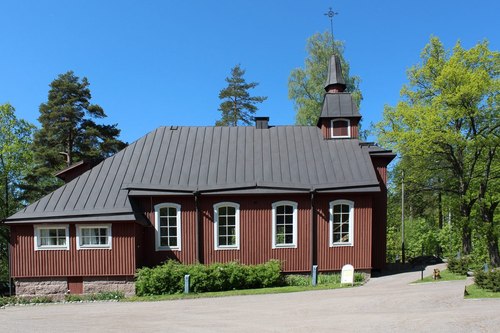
459, 266
488, 280
169, 277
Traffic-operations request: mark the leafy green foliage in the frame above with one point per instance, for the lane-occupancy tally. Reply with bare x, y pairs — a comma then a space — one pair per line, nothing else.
169, 277
306, 86
69, 133
323, 279
446, 132
459, 265
15, 159
103, 296
488, 280
25, 300
238, 106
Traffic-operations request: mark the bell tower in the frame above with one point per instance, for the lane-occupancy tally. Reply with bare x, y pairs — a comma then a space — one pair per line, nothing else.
340, 116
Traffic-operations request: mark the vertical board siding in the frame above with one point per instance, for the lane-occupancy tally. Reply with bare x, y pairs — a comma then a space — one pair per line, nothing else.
256, 233
380, 215
187, 254
119, 260
358, 255
326, 127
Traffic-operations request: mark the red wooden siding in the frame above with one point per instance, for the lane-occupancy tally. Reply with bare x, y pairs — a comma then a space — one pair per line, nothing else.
380, 214
326, 130
358, 255
256, 233
119, 260
187, 254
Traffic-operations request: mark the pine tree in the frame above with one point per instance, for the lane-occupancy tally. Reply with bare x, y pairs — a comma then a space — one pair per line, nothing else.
68, 133
238, 105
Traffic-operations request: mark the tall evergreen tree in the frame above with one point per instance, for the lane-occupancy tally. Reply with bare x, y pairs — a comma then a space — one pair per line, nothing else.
68, 133
238, 105
306, 86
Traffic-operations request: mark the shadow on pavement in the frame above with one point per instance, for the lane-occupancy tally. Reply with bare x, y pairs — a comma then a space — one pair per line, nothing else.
416, 265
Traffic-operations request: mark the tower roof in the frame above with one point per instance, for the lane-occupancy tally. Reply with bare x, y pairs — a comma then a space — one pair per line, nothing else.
335, 77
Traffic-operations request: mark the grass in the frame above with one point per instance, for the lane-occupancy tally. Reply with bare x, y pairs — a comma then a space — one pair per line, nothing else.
474, 291
446, 275
242, 292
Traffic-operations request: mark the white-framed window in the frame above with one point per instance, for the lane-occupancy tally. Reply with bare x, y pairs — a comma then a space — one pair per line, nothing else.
168, 226
51, 237
93, 236
341, 223
227, 226
284, 224
340, 128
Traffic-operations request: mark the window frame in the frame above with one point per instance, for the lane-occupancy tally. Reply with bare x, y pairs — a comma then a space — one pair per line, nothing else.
348, 128
351, 223
158, 246
80, 246
236, 206
295, 231
37, 237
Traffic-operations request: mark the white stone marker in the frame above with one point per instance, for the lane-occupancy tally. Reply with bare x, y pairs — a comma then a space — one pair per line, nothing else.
347, 274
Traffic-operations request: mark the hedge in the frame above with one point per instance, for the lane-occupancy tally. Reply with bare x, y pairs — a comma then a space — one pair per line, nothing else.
488, 280
169, 277
459, 266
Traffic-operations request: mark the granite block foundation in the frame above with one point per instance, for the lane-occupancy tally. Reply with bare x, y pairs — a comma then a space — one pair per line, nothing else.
58, 286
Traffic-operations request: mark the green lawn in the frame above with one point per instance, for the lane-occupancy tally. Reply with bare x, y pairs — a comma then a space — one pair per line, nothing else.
476, 292
276, 290
446, 275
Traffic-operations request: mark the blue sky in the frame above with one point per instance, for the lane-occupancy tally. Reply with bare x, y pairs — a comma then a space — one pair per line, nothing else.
153, 63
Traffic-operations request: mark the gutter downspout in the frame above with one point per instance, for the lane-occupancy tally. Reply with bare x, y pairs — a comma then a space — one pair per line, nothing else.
198, 229
314, 256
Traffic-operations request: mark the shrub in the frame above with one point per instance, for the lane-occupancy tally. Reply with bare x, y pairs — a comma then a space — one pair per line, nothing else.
329, 278
298, 280
459, 266
323, 279
488, 280
103, 296
169, 277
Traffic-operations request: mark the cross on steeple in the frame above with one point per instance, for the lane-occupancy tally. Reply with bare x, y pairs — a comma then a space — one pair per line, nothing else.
330, 13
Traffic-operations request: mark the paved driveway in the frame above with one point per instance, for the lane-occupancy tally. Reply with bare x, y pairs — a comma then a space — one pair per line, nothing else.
385, 304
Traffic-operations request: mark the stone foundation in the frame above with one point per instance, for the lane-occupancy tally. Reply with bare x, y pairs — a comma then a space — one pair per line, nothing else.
58, 286
41, 286
94, 285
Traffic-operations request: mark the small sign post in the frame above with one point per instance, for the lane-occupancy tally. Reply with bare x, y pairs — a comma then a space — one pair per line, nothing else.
186, 284
347, 275
315, 275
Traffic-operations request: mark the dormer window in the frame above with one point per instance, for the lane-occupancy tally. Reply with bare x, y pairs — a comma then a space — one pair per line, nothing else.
340, 128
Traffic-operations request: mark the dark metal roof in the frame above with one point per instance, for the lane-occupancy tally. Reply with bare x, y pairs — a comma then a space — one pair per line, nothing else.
208, 160
339, 105
335, 76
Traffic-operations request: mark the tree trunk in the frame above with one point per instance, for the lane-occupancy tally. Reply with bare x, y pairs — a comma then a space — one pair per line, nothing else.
466, 239
488, 217
439, 249
465, 210
493, 250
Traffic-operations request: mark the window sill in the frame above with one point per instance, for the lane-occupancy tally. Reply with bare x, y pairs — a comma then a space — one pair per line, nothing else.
341, 244
288, 246
160, 249
51, 248
94, 248
227, 248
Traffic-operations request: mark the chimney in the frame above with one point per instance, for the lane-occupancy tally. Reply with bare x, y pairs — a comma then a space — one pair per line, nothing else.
261, 122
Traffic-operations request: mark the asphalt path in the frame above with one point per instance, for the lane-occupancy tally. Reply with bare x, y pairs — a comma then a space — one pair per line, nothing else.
385, 304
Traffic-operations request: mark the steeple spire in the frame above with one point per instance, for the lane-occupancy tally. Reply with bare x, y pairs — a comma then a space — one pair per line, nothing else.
335, 81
